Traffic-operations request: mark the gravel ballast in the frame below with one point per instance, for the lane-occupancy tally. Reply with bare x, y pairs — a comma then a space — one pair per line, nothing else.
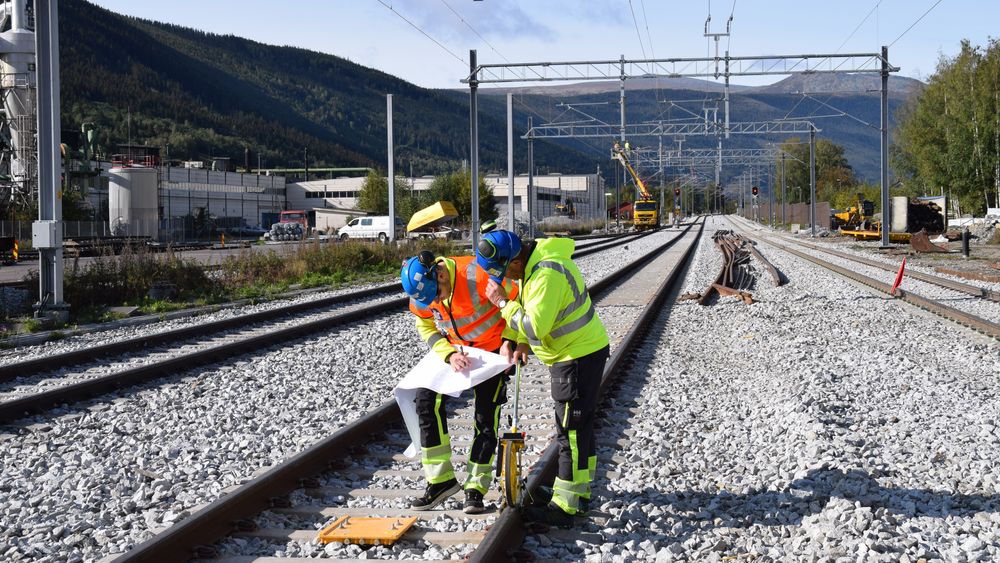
86, 481
824, 422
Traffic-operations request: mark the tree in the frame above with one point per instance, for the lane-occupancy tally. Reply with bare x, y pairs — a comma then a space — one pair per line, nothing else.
948, 138
455, 187
374, 196
833, 173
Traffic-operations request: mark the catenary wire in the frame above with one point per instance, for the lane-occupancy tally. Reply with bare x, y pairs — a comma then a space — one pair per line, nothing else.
914, 23
467, 24
637, 33
425, 34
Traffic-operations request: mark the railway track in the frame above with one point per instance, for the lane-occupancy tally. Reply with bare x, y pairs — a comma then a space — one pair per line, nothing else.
359, 470
175, 351
937, 307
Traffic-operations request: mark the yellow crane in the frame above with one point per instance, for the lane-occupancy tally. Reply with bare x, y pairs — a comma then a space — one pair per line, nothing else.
646, 210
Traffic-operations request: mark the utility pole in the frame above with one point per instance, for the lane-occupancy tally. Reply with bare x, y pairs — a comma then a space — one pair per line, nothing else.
784, 196
531, 180
812, 182
46, 232
510, 160
884, 145
474, 145
392, 171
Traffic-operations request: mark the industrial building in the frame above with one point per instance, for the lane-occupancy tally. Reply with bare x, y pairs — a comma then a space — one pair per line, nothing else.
134, 196
336, 199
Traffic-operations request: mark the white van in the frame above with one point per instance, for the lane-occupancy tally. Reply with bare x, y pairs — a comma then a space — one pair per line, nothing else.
376, 227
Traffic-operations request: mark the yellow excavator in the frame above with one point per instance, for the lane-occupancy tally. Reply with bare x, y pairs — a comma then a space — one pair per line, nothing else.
856, 218
645, 209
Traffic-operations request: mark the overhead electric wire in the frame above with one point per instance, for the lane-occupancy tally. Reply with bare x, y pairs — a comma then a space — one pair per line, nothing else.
729, 37
425, 34
467, 24
914, 23
637, 33
868, 15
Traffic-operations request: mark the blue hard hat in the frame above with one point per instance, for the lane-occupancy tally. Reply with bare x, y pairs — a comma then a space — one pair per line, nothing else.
419, 278
495, 251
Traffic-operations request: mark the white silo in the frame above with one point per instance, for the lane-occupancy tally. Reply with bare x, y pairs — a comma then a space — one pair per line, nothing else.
17, 80
133, 201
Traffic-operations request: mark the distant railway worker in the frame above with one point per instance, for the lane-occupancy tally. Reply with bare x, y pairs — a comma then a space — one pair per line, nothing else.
449, 301
555, 318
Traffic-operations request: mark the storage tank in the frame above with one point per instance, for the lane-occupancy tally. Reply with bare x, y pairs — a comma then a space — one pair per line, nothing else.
133, 201
900, 207
17, 80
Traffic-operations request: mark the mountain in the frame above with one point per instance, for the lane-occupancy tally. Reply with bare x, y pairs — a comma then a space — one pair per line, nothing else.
210, 95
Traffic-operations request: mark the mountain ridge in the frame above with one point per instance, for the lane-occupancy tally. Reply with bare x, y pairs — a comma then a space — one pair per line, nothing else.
208, 95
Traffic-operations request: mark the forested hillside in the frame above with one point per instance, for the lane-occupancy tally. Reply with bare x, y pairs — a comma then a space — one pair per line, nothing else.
210, 95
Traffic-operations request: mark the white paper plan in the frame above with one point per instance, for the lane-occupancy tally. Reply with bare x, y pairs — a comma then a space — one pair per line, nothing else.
433, 373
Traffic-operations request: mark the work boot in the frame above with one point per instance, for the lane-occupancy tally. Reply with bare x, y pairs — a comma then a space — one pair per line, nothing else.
551, 515
542, 496
435, 495
473, 502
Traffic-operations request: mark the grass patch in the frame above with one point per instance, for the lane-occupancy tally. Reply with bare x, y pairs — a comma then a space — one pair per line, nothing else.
124, 279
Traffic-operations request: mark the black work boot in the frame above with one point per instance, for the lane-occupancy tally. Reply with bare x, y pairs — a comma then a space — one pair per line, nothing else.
550, 515
473, 502
435, 495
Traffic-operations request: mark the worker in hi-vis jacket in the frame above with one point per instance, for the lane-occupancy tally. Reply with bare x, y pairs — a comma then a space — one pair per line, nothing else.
555, 319
447, 296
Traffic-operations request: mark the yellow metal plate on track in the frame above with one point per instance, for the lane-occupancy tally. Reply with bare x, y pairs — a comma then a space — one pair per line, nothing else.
366, 530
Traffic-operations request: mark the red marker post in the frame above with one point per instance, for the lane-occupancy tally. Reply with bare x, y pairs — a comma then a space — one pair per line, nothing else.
899, 277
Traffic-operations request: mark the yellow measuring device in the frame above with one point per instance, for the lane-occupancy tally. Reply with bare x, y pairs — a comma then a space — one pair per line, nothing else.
509, 461
366, 530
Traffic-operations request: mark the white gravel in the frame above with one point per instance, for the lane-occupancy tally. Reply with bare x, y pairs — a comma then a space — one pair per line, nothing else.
87, 481
822, 423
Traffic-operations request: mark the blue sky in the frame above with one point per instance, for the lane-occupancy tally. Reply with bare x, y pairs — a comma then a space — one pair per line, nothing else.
368, 32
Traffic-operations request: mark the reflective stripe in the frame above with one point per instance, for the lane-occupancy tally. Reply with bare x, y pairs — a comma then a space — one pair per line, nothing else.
577, 489
573, 325
437, 463
529, 330
487, 323
434, 339
580, 299
478, 476
438, 452
565, 495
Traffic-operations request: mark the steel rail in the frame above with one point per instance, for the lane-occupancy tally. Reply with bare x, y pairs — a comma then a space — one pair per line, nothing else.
219, 518
508, 529
68, 394
961, 317
54, 362
961, 287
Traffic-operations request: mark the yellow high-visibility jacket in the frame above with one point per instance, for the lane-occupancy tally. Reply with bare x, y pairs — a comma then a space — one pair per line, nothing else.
553, 313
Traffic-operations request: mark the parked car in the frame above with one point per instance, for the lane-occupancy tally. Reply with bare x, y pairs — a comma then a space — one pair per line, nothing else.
246, 231
376, 227
442, 232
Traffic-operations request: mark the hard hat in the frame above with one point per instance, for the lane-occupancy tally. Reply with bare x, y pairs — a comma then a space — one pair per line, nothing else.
495, 251
419, 277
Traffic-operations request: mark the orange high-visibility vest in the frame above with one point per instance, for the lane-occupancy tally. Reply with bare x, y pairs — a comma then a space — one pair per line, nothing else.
468, 318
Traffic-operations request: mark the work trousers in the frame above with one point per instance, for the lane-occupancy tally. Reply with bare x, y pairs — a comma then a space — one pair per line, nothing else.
575, 385
436, 444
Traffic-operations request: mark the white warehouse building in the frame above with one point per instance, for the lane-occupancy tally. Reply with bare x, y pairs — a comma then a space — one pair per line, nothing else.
336, 199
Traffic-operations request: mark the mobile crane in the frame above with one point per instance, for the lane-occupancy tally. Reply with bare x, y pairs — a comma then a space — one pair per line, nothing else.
645, 209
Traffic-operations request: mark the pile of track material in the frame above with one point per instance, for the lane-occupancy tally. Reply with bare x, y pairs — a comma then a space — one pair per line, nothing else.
738, 274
